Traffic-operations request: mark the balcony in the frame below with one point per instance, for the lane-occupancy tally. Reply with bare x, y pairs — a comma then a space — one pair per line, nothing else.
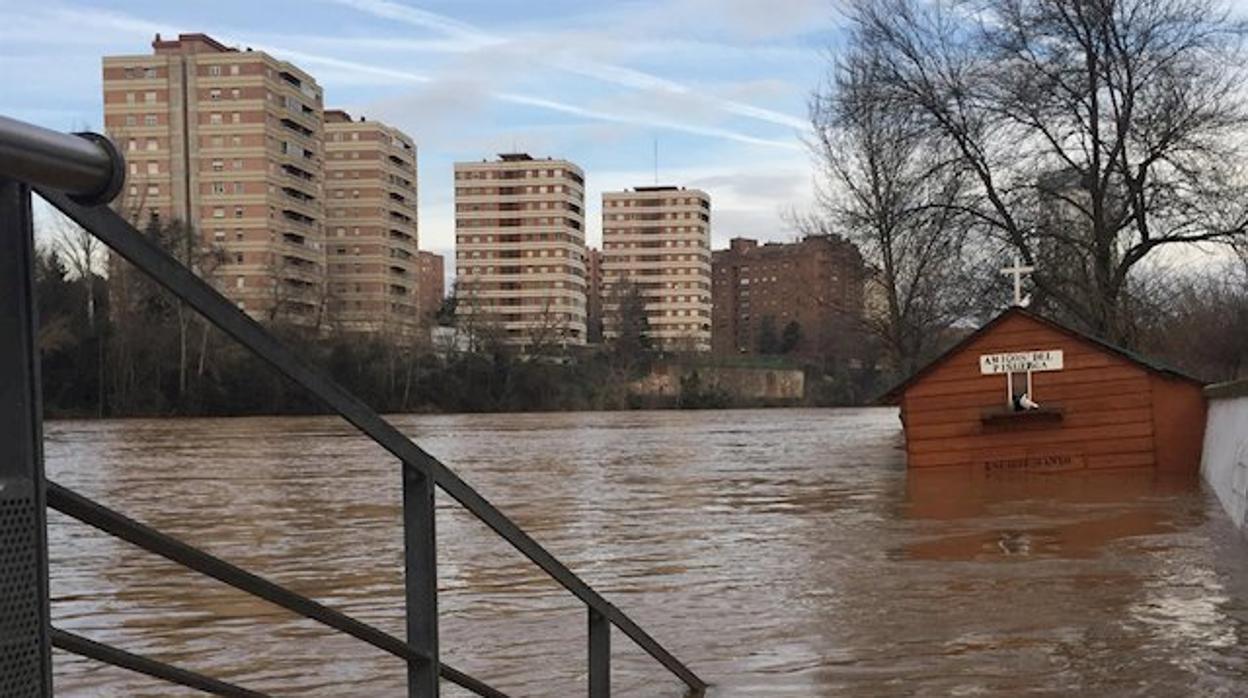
402, 237
297, 129
298, 218
291, 170
396, 161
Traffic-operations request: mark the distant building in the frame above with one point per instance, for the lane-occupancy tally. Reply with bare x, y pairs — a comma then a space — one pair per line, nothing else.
228, 142
432, 283
520, 249
371, 234
815, 285
659, 240
593, 301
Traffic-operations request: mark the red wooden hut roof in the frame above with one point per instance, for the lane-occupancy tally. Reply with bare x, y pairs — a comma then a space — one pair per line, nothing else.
893, 395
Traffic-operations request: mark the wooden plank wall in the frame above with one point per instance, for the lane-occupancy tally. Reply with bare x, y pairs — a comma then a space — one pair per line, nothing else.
1108, 420
1179, 417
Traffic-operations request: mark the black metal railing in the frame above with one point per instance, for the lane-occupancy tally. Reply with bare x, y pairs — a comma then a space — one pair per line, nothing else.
79, 175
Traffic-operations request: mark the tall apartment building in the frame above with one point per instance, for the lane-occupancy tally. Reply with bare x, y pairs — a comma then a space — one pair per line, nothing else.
432, 283
815, 284
593, 300
520, 249
371, 230
229, 143
659, 239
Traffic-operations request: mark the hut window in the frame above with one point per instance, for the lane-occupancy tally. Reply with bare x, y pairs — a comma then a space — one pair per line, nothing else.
1018, 385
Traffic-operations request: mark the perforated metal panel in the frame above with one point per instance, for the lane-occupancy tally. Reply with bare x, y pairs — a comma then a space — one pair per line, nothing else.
25, 659
21, 661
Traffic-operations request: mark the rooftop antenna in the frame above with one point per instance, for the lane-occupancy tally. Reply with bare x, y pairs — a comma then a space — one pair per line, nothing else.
656, 161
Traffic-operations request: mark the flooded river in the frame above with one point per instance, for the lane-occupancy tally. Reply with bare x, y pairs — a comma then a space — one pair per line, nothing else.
778, 553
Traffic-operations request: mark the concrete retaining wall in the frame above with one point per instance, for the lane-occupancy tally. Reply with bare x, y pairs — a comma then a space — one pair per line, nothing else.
764, 384
1224, 464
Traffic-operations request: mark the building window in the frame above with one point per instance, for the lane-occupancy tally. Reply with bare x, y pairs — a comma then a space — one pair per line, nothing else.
149, 120
149, 97
214, 95
153, 168
217, 165
153, 144
214, 118
238, 211
218, 212
153, 190
218, 187
236, 118
130, 120
214, 70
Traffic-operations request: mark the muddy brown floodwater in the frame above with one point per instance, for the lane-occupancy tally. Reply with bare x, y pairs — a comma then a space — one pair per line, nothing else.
778, 553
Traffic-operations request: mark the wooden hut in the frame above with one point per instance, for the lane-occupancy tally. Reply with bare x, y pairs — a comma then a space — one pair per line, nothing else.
1093, 405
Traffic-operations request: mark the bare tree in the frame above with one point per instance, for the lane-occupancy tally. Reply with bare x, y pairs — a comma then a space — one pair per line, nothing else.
548, 331
83, 253
484, 330
1094, 132
86, 258
895, 193
631, 347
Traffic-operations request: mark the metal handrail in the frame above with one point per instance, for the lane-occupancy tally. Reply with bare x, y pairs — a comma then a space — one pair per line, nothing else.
75, 187
94, 514
86, 167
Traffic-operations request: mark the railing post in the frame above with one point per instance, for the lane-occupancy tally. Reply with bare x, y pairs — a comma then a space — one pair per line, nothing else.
25, 651
420, 581
599, 655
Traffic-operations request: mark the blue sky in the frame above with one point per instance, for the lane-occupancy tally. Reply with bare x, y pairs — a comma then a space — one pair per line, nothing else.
721, 85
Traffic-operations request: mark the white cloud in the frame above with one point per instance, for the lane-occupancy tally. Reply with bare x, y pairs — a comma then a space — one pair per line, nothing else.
372, 72
556, 53
421, 18
643, 120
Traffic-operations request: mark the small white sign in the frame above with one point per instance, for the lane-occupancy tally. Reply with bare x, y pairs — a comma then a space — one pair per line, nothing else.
1021, 362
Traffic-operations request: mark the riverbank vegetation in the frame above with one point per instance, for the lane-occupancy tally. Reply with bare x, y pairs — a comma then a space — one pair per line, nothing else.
157, 359
117, 345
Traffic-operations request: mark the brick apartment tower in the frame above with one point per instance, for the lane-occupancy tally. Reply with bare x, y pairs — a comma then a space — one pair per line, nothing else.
593, 300
228, 142
371, 231
520, 249
659, 238
817, 283
432, 283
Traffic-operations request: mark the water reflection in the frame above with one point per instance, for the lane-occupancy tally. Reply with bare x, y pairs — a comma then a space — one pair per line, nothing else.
780, 553
1072, 515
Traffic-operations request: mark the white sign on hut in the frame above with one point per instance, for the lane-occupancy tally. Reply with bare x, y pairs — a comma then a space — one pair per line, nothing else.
1021, 362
